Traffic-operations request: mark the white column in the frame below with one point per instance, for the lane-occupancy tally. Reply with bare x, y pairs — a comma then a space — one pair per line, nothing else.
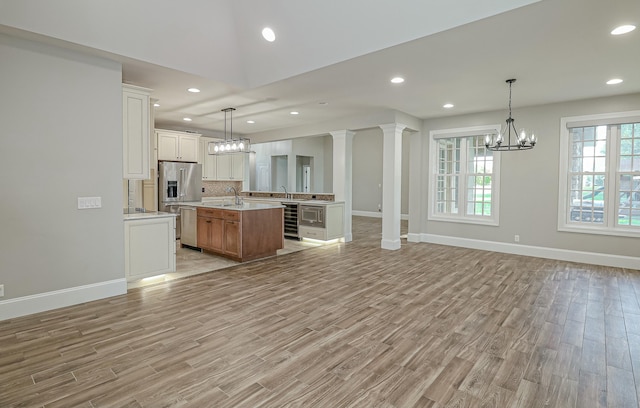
343, 175
417, 188
391, 183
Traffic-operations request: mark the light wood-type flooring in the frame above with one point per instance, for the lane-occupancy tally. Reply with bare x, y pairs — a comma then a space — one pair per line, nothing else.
344, 325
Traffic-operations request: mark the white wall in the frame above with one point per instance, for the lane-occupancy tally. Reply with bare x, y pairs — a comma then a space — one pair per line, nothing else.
60, 139
529, 182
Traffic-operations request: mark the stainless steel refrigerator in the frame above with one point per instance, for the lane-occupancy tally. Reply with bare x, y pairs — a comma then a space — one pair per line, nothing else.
178, 182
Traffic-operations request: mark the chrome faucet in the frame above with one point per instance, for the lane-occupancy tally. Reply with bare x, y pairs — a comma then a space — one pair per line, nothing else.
235, 193
286, 195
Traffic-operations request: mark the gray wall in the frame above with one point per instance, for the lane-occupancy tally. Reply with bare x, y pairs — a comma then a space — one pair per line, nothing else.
318, 147
529, 181
60, 138
367, 171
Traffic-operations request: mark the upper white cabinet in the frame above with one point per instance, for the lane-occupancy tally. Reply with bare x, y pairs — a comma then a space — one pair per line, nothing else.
230, 166
135, 132
208, 161
177, 146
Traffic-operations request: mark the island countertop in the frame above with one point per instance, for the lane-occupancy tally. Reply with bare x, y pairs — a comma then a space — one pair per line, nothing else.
246, 206
147, 215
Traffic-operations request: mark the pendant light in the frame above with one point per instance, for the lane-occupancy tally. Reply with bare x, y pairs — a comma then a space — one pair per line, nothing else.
229, 145
522, 140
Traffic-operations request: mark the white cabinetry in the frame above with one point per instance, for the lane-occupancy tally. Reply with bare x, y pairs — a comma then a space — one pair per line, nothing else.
209, 161
334, 224
150, 247
230, 166
177, 146
136, 131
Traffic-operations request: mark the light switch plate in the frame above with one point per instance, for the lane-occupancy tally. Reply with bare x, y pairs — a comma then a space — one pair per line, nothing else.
1, 290
85, 203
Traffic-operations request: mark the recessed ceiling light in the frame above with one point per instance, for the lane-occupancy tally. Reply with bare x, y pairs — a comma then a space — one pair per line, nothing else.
447, 105
157, 105
623, 29
294, 113
187, 119
194, 90
268, 34
397, 80
614, 81
251, 122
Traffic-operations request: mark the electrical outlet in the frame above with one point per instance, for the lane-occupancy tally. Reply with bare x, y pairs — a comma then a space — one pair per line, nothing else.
516, 238
1, 290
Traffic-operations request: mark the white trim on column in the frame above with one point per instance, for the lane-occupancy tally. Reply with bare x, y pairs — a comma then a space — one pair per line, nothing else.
42, 302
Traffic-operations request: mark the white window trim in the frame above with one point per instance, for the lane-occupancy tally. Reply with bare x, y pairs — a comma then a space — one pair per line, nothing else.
432, 215
587, 120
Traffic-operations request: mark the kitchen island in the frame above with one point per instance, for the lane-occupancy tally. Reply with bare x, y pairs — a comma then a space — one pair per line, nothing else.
242, 232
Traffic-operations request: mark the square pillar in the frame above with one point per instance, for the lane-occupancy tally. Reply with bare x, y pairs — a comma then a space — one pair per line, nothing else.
391, 184
343, 175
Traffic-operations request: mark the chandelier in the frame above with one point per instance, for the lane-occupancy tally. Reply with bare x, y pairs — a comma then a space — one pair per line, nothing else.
229, 145
521, 140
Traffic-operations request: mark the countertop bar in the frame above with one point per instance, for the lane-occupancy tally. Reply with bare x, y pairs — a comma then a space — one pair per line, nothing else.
241, 207
246, 199
147, 215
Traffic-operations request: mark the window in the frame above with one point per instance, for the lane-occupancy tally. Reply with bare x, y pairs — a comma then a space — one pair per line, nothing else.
465, 176
600, 158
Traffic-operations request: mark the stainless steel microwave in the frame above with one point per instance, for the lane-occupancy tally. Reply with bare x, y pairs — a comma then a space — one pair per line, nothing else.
312, 216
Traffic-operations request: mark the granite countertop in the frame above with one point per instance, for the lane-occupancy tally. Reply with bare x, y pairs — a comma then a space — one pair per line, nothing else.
299, 201
147, 215
246, 206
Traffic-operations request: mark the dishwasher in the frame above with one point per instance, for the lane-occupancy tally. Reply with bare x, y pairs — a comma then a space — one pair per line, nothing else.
189, 226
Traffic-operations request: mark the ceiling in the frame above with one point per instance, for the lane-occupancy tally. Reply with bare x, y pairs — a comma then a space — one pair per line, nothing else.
327, 64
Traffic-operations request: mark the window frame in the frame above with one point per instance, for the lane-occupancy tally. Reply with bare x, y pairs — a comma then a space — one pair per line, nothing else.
462, 217
609, 226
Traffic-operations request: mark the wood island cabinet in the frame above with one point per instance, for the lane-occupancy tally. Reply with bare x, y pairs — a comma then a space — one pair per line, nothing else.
241, 235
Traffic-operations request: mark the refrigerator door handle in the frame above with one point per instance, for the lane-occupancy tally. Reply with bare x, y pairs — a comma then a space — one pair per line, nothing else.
181, 185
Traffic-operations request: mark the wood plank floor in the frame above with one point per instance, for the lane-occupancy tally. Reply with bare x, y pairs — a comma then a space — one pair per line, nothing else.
345, 325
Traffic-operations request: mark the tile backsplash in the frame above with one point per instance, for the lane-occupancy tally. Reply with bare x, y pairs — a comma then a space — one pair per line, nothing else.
219, 188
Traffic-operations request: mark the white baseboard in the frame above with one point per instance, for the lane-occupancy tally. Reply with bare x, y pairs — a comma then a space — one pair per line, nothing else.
618, 261
375, 214
43, 302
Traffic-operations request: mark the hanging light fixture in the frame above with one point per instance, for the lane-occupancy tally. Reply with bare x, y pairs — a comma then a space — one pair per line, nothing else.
522, 140
229, 145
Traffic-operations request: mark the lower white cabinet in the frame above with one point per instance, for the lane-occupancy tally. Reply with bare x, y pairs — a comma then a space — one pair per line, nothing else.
334, 224
150, 247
